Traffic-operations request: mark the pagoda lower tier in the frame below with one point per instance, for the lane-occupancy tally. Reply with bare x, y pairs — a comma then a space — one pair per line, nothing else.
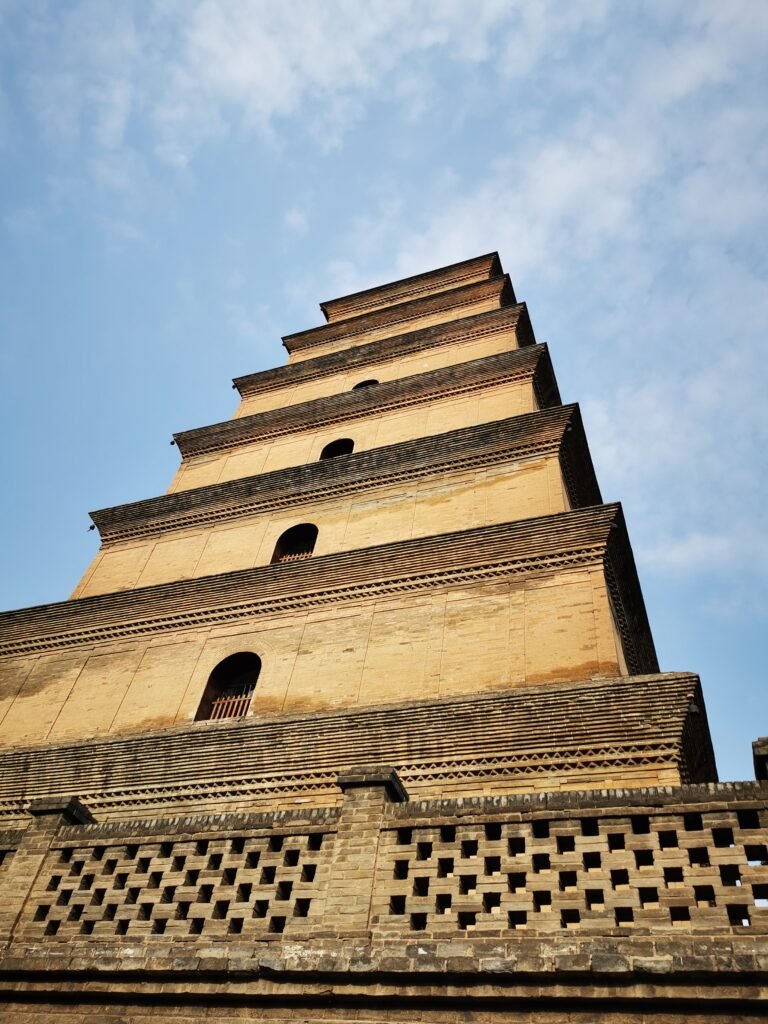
629, 732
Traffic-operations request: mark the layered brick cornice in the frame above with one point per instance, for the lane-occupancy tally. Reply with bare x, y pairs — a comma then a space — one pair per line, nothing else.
525, 733
452, 301
557, 430
482, 325
453, 276
593, 536
464, 378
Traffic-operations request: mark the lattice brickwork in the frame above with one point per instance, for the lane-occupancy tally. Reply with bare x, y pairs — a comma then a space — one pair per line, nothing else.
697, 871
210, 887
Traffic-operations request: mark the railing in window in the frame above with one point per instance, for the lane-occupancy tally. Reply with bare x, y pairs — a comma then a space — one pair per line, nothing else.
231, 705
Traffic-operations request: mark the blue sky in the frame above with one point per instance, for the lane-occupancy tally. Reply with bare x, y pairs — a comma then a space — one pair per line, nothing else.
182, 182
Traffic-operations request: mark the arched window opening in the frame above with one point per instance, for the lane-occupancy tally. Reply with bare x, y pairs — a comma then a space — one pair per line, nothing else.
365, 384
230, 688
296, 543
344, 446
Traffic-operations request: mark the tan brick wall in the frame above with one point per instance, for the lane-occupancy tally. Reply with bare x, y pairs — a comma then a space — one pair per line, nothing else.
463, 639
392, 369
369, 432
391, 330
450, 502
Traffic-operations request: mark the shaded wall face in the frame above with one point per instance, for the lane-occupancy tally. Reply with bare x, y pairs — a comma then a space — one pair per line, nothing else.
374, 515
435, 416
460, 639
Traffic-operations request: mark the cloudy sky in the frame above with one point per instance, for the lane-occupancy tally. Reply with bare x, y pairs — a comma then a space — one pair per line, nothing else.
182, 181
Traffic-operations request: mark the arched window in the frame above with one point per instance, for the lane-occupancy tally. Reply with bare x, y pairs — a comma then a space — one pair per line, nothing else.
344, 446
230, 687
365, 384
296, 543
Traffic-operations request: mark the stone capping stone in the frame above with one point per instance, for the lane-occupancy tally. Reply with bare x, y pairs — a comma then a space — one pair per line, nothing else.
367, 778
760, 757
452, 299
68, 808
461, 378
480, 325
558, 429
487, 265
595, 535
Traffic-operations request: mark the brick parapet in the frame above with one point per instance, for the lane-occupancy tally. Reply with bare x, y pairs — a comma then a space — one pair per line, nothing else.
669, 855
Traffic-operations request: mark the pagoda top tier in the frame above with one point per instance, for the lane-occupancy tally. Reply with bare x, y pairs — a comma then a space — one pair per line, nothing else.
480, 268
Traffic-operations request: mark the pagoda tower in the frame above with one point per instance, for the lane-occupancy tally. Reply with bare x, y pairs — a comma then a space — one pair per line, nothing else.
362, 720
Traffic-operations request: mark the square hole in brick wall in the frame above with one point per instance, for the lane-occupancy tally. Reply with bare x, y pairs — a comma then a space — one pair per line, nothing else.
679, 915
418, 922
275, 844
566, 844
121, 928
620, 878
109, 911
166, 849
592, 860
722, 837
284, 890
182, 910
698, 856
158, 926
214, 862
748, 819
467, 919
756, 854
668, 839
444, 867
301, 908
423, 851
308, 872
52, 927
516, 881
704, 895
237, 845
643, 858
467, 883
260, 908
86, 928
421, 886
692, 821
491, 901
291, 858
469, 848
277, 924
191, 877
447, 833
540, 829
404, 836
492, 831
730, 874
53, 883
616, 841
201, 847
590, 827
567, 881
649, 896
205, 894
542, 901
42, 912
492, 865
66, 855
624, 916
516, 846
673, 877
443, 902
397, 905
541, 862
738, 915
235, 926
220, 910
641, 824
315, 841
594, 898
517, 919
267, 876
229, 876
244, 892
569, 918
142, 865
64, 897
252, 859
196, 926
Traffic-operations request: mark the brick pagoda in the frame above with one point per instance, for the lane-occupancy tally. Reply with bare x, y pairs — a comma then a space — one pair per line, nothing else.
362, 720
